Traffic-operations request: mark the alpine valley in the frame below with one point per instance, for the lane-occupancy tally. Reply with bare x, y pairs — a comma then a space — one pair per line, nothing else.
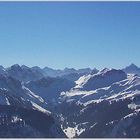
85, 103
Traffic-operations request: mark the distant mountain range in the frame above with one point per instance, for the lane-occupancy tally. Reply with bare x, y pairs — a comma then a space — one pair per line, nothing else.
37, 72
24, 73
84, 103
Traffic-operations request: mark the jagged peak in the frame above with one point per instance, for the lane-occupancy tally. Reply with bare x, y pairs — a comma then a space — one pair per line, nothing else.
15, 65
132, 65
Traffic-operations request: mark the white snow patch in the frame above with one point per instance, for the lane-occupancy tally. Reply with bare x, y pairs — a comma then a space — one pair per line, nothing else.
36, 106
7, 101
31, 94
4, 100
82, 80
70, 132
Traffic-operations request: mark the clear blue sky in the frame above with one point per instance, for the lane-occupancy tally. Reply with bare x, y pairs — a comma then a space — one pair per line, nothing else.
70, 34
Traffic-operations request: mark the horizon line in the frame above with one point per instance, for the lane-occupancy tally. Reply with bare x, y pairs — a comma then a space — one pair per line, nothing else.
42, 67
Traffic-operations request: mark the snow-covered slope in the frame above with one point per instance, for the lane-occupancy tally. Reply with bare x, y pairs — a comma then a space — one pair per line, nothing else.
102, 108
103, 78
13, 92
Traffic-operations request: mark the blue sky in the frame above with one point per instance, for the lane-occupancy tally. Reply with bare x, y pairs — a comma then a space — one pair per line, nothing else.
70, 34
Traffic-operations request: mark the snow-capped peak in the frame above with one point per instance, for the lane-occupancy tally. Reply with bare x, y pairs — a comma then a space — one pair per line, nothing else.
103, 78
103, 70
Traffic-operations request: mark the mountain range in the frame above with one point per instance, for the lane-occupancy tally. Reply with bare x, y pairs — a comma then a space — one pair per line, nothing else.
83, 103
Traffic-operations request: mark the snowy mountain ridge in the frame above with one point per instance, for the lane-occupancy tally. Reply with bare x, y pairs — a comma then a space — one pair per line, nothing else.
123, 91
84, 103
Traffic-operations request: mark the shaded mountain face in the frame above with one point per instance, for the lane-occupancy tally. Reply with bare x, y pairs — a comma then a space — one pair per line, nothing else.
132, 69
79, 73
13, 92
50, 88
72, 76
2, 70
51, 72
23, 113
68, 71
23, 73
17, 122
